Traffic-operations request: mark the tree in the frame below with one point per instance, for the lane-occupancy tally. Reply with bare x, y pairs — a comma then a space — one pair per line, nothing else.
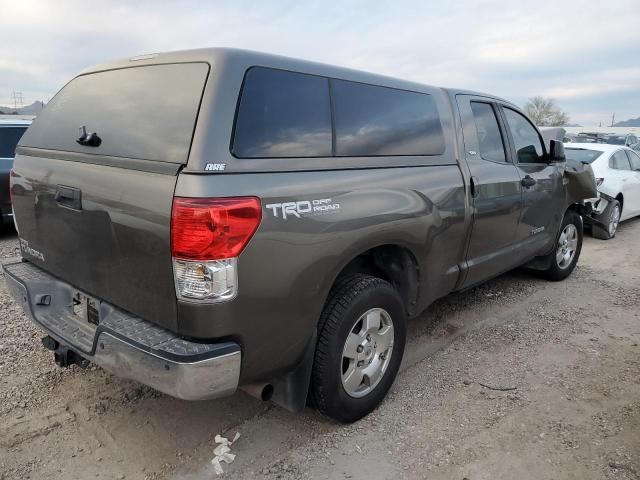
545, 113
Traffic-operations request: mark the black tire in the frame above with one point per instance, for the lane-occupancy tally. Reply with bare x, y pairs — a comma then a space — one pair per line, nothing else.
609, 226
350, 298
557, 272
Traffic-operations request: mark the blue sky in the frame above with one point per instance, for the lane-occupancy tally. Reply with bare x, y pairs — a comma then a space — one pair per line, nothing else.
585, 54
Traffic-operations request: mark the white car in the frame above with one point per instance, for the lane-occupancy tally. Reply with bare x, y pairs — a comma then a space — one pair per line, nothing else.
617, 172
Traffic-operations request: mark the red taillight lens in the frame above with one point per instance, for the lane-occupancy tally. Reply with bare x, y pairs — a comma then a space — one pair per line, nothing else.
213, 228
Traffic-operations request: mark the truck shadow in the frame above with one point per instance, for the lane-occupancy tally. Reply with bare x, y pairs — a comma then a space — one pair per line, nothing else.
134, 429
181, 433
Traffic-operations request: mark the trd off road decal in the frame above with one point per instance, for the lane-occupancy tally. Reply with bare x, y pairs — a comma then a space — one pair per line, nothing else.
303, 208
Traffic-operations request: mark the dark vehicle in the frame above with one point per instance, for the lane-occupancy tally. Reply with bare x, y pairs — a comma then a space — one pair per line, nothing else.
590, 138
626, 140
209, 219
11, 130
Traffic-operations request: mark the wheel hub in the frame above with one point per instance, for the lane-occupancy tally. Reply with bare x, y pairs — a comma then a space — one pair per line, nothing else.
365, 355
567, 246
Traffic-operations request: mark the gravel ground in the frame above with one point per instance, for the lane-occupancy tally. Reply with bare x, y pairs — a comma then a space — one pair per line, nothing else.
566, 357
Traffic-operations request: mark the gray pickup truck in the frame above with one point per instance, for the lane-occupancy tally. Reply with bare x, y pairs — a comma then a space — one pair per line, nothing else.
211, 219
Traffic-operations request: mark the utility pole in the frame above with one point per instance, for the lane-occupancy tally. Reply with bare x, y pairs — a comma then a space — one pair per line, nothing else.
17, 100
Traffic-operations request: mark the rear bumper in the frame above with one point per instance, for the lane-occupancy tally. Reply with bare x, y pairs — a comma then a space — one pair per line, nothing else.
123, 344
598, 206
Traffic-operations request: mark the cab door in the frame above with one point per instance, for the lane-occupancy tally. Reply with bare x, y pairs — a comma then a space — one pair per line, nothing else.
495, 188
632, 197
543, 193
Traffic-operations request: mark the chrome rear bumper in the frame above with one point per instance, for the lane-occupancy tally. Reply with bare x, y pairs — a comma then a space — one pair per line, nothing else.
124, 344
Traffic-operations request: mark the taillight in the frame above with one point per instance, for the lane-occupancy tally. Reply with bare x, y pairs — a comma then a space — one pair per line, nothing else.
599, 181
207, 235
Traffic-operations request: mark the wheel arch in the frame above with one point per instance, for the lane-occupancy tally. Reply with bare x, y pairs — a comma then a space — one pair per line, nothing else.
392, 262
620, 199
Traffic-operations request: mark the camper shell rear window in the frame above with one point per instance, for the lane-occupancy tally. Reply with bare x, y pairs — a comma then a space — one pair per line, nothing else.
145, 112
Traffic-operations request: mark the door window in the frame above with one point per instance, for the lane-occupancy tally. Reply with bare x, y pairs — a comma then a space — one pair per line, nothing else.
525, 137
619, 161
634, 160
490, 141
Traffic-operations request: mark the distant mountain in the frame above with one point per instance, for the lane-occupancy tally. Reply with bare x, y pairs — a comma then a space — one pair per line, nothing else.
33, 109
633, 122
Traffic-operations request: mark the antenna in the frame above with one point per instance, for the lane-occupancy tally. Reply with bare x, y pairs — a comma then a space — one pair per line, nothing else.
17, 100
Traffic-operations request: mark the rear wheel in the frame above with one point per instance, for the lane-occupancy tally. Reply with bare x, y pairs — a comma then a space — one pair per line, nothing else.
610, 219
361, 338
564, 257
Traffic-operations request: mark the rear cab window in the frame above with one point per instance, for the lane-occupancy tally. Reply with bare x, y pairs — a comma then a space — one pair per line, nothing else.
284, 114
146, 112
9, 138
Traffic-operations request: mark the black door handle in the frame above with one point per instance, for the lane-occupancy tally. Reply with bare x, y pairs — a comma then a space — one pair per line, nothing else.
528, 181
475, 190
69, 197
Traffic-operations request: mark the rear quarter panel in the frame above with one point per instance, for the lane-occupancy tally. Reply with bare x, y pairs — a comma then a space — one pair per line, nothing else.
289, 266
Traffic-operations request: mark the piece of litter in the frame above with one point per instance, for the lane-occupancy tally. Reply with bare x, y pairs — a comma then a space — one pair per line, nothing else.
228, 457
222, 454
221, 450
216, 466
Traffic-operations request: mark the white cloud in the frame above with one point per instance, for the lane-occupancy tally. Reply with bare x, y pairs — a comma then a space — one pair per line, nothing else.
622, 81
575, 50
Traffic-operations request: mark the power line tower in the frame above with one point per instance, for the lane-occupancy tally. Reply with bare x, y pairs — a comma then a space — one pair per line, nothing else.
18, 101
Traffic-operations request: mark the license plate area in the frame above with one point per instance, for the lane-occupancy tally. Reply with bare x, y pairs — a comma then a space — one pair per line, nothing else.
85, 308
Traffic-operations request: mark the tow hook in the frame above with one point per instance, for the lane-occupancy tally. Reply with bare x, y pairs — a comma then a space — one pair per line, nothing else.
64, 356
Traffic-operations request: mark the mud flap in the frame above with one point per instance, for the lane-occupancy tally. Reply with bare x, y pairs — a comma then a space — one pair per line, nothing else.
290, 390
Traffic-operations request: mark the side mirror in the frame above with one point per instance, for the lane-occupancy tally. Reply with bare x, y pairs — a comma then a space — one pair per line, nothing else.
556, 151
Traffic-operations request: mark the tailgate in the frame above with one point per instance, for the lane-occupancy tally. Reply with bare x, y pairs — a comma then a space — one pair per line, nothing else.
98, 217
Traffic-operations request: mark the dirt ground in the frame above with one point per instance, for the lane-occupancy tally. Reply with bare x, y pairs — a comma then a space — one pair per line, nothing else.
568, 354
